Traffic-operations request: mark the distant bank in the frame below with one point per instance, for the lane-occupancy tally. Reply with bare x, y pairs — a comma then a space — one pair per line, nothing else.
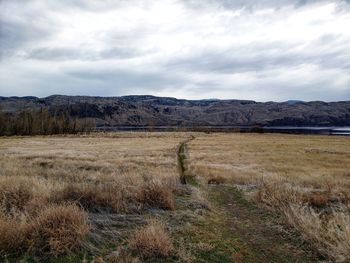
311, 130
344, 131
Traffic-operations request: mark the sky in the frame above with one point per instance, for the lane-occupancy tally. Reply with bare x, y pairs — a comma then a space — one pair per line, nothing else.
267, 50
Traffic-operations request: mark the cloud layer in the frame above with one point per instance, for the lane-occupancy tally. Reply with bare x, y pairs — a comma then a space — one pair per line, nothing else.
262, 50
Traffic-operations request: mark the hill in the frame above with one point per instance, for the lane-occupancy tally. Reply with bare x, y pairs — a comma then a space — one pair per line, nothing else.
148, 110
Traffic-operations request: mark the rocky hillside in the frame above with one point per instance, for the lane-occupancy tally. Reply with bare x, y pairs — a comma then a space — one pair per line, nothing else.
163, 111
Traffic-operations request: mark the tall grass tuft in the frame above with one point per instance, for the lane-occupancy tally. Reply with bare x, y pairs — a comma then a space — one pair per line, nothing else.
57, 230
91, 198
156, 195
152, 241
326, 227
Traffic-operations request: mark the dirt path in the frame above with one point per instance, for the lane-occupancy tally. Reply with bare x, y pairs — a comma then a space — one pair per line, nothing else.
259, 230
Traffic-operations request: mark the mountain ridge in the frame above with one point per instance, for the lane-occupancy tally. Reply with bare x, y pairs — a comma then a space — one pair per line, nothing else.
149, 110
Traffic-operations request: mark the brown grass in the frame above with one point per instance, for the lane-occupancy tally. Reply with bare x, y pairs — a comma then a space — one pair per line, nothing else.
91, 198
152, 241
155, 195
12, 236
45, 181
325, 224
329, 233
57, 230
14, 194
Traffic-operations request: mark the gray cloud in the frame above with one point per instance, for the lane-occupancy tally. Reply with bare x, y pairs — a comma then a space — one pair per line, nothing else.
253, 5
262, 50
68, 53
124, 80
269, 55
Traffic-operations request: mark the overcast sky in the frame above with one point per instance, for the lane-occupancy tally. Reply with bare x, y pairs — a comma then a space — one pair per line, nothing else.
262, 50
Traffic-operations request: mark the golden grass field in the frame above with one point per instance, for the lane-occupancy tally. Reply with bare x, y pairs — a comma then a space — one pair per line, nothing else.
63, 197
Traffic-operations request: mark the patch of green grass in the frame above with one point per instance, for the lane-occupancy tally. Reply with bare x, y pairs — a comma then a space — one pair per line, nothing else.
64, 259
191, 180
213, 230
220, 197
71, 259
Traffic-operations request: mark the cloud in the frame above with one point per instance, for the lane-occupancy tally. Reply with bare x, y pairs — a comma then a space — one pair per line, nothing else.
262, 50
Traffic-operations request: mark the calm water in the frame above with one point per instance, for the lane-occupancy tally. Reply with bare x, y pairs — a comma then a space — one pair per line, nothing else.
278, 129
310, 130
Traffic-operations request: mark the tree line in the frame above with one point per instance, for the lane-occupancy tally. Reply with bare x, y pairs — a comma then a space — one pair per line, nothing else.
42, 122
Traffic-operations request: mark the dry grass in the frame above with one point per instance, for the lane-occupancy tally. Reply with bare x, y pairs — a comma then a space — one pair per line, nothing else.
309, 161
329, 233
321, 218
152, 241
45, 182
304, 178
157, 196
92, 198
12, 236
15, 194
87, 165
57, 230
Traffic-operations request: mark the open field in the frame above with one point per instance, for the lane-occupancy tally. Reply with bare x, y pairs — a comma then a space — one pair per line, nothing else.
304, 178
116, 174
118, 197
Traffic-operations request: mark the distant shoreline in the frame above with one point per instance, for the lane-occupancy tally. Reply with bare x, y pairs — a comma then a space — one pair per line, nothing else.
244, 129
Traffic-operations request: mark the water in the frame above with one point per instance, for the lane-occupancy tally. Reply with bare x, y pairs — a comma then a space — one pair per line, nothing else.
331, 130
310, 130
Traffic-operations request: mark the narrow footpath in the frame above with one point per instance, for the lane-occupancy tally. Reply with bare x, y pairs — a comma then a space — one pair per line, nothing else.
261, 232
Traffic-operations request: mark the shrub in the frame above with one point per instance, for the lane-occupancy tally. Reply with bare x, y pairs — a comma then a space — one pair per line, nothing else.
156, 196
57, 230
152, 240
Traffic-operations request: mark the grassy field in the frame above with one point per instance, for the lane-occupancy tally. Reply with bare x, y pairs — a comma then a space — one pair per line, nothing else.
118, 197
304, 178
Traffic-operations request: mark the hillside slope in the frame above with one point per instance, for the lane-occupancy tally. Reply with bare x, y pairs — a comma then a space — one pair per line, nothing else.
164, 111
